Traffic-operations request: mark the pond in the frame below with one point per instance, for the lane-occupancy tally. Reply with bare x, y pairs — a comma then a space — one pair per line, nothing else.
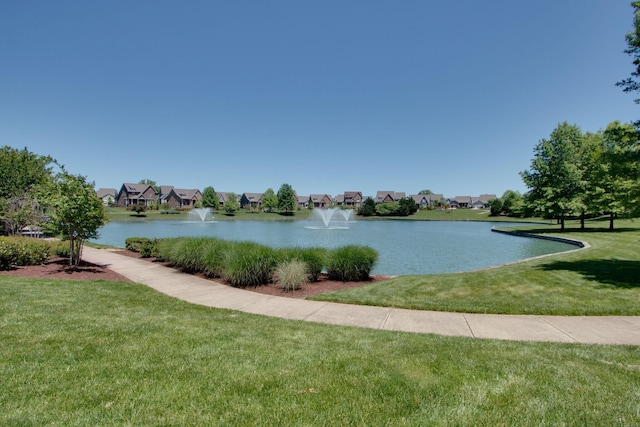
404, 247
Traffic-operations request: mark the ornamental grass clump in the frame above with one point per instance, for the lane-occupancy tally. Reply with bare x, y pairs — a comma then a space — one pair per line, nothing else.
290, 275
213, 256
351, 263
249, 264
314, 258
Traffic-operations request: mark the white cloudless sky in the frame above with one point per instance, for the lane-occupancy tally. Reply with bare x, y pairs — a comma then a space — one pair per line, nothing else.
328, 96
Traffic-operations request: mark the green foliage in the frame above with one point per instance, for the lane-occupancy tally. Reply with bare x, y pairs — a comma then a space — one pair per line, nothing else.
631, 84
18, 251
292, 274
144, 246
351, 263
209, 198
314, 258
287, 201
231, 206
77, 212
387, 209
138, 208
249, 264
556, 176
22, 171
368, 208
269, 200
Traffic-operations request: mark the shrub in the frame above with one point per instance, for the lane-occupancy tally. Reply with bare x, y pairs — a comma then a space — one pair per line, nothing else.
60, 248
351, 263
7, 255
249, 264
23, 251
142, 245
292, 274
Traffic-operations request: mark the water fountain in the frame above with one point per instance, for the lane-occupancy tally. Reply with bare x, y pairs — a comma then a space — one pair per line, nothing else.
201, 213
331, 216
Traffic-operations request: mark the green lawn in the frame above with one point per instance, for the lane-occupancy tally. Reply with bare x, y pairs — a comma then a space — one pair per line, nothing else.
101, 353
601, 280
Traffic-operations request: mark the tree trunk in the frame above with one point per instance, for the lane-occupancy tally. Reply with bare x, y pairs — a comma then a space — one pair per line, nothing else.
582, 220
562, 223
71, 250
611, 221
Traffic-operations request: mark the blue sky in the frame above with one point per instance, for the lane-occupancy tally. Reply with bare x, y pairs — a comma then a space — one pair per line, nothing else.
327, 96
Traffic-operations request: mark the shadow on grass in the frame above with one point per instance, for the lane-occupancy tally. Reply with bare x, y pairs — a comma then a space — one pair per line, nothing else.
612, 272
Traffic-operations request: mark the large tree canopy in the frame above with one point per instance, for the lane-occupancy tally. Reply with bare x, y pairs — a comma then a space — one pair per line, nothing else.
556, 174
21, 171
287, 201
631, 84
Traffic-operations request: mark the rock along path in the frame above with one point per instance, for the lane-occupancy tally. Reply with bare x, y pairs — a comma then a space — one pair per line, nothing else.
566, 329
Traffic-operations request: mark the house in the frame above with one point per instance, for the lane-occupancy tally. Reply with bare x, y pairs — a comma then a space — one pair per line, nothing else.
320, 200
136, 194
482, 201
303, 201
251, 200
164, 193
425, 201
389, 196
181, 198
352, 199
460, 202
107, 195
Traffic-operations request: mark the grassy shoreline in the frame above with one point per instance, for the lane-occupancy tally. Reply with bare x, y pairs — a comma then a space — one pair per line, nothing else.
600, 280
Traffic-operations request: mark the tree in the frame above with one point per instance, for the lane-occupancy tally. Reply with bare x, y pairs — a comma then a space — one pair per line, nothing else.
425, 192
269, 200
21, 211
77, 213
22, 176
631, 84
22, 171
368, 208
496, 207
615, 172
407, 206
231, 206
209, 198
556, 174
512, 203
287, 201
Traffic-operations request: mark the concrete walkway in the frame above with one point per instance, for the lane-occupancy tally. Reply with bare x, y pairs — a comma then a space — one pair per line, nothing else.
568, 329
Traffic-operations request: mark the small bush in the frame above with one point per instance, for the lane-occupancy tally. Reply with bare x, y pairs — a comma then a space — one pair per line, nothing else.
249, 264
351, 263
142, 245
292, 274
23, 251
8, 255
60, 248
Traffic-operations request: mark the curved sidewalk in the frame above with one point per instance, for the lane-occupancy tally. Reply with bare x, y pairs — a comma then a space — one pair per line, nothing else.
568, 329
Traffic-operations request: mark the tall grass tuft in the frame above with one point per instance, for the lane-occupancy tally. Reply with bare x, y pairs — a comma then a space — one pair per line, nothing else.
249, 264
315, 258
213, 256
351, 263
292, 274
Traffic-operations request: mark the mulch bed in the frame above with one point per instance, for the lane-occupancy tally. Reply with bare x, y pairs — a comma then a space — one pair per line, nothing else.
58, 268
